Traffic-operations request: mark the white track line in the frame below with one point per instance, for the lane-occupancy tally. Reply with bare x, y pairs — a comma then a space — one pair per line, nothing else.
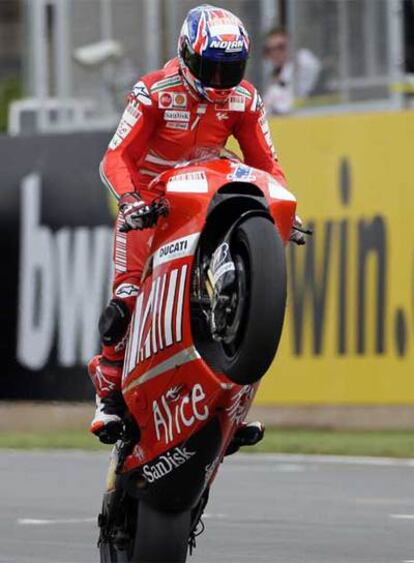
47, 522
286, 458
335, 459
215, 516
402, 516
50, 521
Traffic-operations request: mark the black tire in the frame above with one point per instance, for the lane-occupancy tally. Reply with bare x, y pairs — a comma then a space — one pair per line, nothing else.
161, 536
109, 553
259, 256
109, 550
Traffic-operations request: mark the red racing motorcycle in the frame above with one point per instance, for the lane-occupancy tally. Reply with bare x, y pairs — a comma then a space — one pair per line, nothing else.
205, 329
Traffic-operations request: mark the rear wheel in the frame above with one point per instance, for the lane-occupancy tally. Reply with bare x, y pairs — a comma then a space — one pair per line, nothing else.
118, 523
161, 537
109, 553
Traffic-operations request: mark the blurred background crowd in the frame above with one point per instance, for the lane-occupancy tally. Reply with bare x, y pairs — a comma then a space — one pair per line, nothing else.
67, 64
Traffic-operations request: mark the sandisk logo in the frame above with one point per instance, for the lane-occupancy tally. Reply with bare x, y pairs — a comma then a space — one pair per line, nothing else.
228, 46
173, 115
167, 463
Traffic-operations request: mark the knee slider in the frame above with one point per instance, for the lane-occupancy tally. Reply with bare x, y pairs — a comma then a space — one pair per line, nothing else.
114, 322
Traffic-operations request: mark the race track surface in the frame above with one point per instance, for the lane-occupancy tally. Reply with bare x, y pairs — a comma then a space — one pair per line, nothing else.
280, 509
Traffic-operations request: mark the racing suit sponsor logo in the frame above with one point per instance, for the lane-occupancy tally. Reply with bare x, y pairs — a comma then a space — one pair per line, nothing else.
237, 103
176, 115
264, 126
140, 92
175, 249
129, 118
172, 417
172, 100
115, 142
123, 129
257, 103
177, 125
190, 182
228, 46
166, 463
127, 290
222, 115
234, 103
241, 172
103, 383
133, 112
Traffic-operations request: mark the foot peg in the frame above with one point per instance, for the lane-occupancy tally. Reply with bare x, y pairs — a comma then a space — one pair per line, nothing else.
247, 435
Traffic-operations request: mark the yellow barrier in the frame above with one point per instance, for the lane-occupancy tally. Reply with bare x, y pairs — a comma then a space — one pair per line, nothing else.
349, 329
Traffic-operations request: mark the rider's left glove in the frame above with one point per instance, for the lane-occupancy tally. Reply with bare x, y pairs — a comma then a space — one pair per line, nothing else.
136, 213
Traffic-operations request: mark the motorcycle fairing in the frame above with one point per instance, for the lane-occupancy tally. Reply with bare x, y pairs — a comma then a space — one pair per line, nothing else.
169, 389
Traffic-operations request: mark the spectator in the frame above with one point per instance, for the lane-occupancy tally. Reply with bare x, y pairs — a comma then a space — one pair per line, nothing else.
289, 79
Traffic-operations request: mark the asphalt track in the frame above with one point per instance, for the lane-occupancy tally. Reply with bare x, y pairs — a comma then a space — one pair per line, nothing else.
263, 509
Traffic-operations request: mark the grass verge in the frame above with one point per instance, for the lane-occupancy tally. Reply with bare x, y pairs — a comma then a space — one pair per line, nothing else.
370, 443
74, 439
392, 443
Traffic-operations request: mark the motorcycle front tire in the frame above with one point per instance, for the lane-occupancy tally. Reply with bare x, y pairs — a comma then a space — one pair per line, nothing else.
259, 255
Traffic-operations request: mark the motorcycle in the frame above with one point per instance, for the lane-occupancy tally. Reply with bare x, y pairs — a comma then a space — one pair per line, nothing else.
205, 329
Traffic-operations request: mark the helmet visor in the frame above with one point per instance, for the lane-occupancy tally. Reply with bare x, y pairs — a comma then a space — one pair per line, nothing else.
215, 74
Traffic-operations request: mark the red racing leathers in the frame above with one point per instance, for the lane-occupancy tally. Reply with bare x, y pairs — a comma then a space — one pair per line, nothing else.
163, 123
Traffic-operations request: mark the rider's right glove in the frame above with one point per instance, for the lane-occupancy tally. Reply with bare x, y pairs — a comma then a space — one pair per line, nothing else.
136, 213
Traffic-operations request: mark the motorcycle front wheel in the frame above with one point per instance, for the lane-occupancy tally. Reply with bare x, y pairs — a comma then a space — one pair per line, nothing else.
254, 324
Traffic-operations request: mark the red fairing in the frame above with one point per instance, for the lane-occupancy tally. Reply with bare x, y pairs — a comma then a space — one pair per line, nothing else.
164, 122
169, 389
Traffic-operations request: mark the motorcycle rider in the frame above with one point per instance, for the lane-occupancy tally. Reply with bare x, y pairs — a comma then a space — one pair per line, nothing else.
198, 99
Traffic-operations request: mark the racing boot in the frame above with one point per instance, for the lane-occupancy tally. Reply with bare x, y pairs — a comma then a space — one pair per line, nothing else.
105, 370
248, 434
106, 375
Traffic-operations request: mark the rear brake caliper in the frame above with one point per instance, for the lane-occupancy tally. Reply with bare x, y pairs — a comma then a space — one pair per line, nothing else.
220, 280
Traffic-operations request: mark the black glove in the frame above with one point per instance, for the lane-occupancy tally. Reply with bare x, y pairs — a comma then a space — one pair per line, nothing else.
137, 214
